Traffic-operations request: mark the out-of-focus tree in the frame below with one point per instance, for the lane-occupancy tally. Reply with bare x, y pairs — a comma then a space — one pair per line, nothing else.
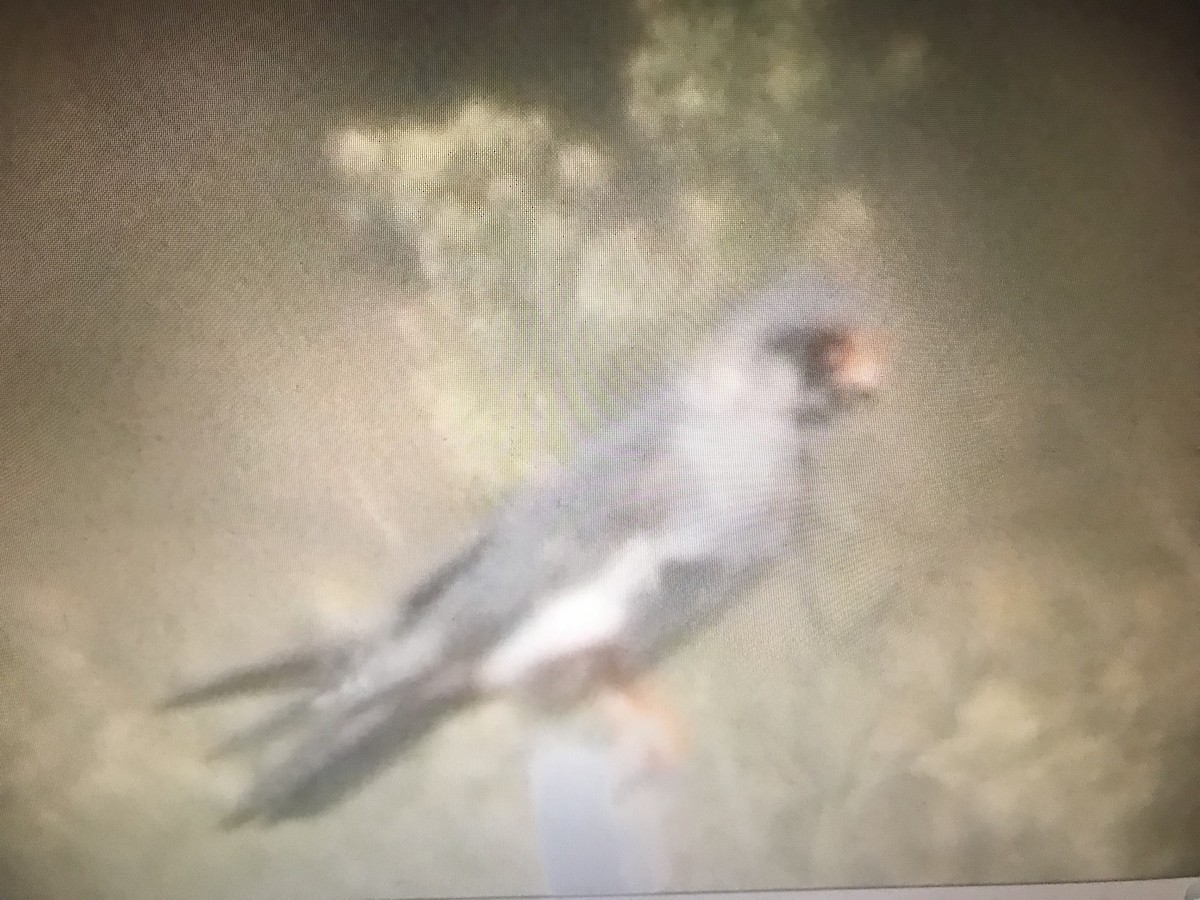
561, 265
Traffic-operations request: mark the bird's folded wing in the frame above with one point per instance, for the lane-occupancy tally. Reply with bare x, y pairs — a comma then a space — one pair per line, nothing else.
290, 668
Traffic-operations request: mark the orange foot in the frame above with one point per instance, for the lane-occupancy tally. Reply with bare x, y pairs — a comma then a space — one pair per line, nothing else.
649, 734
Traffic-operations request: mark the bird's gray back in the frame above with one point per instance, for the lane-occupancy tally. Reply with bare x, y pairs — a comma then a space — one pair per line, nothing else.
719, 483
562, 528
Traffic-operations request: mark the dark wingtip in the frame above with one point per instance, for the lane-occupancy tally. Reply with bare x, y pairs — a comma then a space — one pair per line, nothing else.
187, 696
244, 813
238, 817
288, 670
258, 807
339, 758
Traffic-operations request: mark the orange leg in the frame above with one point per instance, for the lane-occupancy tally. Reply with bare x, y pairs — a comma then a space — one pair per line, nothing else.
647, 729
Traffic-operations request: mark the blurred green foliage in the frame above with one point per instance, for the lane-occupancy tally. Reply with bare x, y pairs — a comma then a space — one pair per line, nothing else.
537, 244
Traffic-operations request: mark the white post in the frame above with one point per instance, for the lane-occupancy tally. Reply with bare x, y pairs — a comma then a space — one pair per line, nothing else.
598, 831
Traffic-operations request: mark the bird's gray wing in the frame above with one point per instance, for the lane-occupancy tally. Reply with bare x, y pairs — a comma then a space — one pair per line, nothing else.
317, 664
291, 668
365, 700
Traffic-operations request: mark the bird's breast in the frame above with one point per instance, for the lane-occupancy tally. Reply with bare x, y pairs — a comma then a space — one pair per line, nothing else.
583, 617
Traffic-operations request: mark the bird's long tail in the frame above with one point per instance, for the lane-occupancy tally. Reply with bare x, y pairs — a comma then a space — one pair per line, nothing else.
288, 670
340, 746
361, 702
355, 713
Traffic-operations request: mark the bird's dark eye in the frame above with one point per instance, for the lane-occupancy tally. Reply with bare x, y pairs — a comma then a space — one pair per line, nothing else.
830, 352
817, 353
842, 358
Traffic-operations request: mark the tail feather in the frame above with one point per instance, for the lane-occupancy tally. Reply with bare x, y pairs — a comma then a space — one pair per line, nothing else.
264, 730
340, 750
363, 702
290, 669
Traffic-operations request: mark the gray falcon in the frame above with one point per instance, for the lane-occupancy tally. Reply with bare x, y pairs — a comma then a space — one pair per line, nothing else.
586, 578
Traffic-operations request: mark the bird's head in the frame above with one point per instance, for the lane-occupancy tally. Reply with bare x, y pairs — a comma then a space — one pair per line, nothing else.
805, 344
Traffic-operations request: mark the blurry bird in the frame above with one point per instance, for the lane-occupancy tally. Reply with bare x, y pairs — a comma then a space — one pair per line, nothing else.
586, 578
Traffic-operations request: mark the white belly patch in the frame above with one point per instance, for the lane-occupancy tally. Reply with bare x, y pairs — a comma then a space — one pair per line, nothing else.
585, 616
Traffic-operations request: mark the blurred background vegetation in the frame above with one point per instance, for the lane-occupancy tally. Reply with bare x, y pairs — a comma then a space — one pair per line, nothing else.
291, 292
565, 258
